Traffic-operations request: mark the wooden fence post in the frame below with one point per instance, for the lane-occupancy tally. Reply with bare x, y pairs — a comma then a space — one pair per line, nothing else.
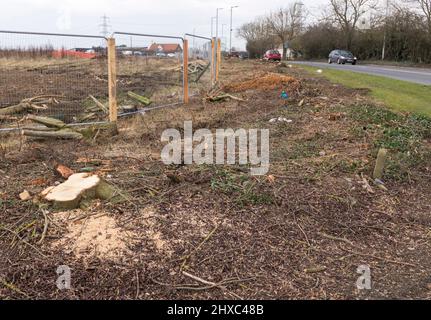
218, 59
213, 62
112, 81
186, 70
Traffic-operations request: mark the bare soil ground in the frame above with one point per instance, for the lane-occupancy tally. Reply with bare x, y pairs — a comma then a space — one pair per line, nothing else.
301, 232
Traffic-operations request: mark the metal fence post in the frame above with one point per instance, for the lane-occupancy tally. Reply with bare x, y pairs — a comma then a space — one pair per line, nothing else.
112, 80
186, 70
218, 59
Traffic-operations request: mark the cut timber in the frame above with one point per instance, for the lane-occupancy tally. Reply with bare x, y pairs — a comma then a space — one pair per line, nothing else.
15, 109
65, 134
38, 129
141, 99
69, 194
380, 164
49, 122
224, 97
35, 103
100, 104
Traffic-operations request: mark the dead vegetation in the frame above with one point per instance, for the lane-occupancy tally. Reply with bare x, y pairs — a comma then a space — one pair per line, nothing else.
215, 232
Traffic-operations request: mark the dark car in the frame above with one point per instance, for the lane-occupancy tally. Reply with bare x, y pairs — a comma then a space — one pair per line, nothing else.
244, 55
272, 55
233, 54
342, 57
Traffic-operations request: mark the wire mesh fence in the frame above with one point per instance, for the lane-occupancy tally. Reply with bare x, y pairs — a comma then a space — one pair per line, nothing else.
149, 71
71, 77
59, 76
200, 61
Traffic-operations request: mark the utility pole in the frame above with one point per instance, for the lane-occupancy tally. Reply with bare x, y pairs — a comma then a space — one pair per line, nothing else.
223, 42
231, 28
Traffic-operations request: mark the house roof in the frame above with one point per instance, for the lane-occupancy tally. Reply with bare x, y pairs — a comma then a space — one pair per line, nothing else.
165, 48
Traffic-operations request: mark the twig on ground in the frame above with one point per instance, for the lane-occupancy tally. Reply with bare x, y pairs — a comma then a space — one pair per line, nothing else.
45, 227
379, 258
23, 241
199, 247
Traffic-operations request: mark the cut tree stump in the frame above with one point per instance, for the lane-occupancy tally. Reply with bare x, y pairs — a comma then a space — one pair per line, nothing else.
69, 194
83, 187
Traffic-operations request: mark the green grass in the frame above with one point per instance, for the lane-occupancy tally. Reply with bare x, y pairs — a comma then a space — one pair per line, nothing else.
402, 134
397, 95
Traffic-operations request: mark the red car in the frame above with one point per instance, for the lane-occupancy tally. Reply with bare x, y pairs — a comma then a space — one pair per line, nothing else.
272, 55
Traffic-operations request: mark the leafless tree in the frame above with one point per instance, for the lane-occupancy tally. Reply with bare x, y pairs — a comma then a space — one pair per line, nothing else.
258, 36
347, 13
425, 6
286, 24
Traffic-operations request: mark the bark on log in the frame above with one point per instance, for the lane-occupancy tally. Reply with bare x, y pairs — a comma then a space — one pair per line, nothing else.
100, 104
66, 134
49, 122
39, 129
15, 109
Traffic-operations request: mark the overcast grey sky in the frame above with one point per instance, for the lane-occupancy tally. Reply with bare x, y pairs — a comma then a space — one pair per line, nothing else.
142, 16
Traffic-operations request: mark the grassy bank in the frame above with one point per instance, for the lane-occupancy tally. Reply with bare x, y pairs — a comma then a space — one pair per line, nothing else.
396, 94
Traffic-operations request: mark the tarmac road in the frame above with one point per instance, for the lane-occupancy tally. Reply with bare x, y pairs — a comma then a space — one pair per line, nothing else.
416, 75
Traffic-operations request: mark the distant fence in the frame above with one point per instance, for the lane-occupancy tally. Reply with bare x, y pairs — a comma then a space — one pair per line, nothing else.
39, 74
92, 79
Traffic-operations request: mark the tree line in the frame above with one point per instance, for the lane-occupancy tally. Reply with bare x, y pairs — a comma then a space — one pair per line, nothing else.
371, 29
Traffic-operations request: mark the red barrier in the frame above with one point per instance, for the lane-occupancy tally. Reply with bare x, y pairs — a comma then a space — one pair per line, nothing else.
74, 54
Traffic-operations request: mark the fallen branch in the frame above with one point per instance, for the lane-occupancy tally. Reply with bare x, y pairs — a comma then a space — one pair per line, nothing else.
49, 122
45, 227
100, 104
141, 99
66, 134
224, 97
199, 246
199, 76
36, 103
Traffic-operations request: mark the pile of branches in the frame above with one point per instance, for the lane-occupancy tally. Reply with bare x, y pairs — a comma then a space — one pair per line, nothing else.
217, 94
42, 102
196, 69
50, 128
96, 112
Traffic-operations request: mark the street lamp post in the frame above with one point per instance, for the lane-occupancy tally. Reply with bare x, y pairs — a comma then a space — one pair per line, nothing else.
212, 27
218, 9
231, 20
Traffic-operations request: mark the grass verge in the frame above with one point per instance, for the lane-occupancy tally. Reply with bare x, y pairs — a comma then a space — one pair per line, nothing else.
396, 94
